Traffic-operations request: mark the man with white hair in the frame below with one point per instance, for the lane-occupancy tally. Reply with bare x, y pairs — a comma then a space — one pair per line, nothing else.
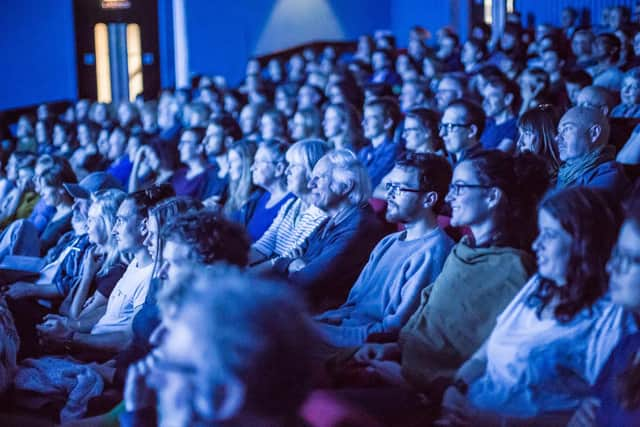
336, 252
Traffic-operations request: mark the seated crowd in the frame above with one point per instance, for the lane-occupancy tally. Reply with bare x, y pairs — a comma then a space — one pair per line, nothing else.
447, 234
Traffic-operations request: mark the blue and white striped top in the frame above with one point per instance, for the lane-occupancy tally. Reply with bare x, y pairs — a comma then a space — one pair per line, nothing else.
290, 229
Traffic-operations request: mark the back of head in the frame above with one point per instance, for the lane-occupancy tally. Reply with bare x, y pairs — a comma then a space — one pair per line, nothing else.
268, 349
522, 181
308, 152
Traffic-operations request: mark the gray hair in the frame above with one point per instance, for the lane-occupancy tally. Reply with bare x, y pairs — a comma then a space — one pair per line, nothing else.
308, 152
347, 169
256, 331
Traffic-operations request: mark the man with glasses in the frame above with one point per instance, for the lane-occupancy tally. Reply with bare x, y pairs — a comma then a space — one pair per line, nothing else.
460, 128
388, 289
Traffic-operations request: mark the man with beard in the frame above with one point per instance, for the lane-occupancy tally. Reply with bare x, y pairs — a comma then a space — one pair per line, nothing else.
500, 100
388, 289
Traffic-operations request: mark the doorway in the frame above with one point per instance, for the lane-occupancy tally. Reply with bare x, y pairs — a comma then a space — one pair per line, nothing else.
117, 49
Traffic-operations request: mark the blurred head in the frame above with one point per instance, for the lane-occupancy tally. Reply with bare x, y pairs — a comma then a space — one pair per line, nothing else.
606, 47
273, 124
306, 123
582, 43
630, 90
473, 52
205, 376
380, 118
574, 82
596, 97
414, 93
190, 146
416, 187
449, 89
568, 17
499, 96
117, 143
624, 263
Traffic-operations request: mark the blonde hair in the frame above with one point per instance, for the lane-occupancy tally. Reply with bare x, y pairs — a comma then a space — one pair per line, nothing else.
347, 169
108, 202
308, 152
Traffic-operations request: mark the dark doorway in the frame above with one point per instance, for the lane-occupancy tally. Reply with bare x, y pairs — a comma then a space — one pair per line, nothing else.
117, 49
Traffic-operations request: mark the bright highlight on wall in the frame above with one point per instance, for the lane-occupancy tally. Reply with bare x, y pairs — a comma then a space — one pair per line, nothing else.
134, 61
103, 71
488, 6
289, 19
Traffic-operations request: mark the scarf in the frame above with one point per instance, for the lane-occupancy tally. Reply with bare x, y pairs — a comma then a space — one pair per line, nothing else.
573, 169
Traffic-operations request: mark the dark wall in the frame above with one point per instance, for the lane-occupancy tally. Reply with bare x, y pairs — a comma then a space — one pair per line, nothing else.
38, 52
222, 35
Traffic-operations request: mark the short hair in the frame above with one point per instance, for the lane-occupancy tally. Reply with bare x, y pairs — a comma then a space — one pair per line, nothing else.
198, 131
390, 109
473, 113
145, 199
434, 173
508, 86
611, 42
308, 151
430, 120
478, 45
212, 237
579, 77
229, 125
346, 168
270, 347
275, 146
592, 222
632, 73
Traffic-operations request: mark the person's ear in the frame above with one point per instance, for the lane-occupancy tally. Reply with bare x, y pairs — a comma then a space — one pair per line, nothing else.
494, 195
388, 124
473, 131
280, 168
229, 399
343, 188
594, 133
430, 199
508, 99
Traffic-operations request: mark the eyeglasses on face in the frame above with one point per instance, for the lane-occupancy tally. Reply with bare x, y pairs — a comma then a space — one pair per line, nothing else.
450, 127
395, 189
456, 188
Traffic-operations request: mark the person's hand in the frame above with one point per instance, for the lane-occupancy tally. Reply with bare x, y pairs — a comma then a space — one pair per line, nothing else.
55, 328
137, 394
19, 290
297, 265
369, 352
91, 262
455, 407
585, 416
389, 370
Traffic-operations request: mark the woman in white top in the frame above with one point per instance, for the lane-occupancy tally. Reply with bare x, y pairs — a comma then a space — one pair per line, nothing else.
550, 343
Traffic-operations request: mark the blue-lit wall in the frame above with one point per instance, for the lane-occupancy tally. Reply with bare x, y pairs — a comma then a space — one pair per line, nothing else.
223, 34
37, 52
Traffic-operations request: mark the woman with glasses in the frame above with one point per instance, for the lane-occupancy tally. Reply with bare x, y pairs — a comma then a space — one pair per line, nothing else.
615, 397
479, 278
550, 343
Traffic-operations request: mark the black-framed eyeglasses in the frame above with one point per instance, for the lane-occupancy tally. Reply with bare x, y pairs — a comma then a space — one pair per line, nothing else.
456, 188
622, 261
395, 189
449, 127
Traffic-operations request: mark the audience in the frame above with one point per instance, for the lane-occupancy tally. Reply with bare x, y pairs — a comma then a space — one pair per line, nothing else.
297, 174
538, 378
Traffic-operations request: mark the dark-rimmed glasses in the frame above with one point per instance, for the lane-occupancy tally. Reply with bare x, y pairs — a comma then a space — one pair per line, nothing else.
395, 189
456, 188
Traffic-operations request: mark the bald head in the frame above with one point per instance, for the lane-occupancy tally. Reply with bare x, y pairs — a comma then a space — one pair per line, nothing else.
580, 131
596, 97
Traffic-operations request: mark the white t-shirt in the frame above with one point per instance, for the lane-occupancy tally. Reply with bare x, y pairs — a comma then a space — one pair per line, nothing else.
537, 365
125, 300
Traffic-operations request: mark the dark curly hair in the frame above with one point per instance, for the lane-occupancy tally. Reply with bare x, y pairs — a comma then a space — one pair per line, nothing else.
212, 237
434, 173
592, 223
145, 199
